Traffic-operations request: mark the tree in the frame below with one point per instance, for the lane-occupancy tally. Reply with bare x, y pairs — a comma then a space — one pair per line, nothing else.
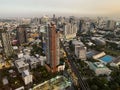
94, 87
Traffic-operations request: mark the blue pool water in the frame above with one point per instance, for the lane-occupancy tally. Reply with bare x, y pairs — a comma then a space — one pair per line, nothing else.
107, 58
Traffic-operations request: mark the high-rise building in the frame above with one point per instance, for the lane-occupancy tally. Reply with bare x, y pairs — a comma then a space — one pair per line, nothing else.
22, 34
70, 30
35, 20
42, 31
44, 20
52, 50
6, 43
110, 25
79, 49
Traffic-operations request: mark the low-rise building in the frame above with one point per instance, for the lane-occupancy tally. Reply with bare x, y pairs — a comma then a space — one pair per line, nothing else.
27, 77
61, 67
101, 54
33, 62
5, 81
20, 55
91, 53
79, 49
99, 68
116, 62
42, 60
21, 65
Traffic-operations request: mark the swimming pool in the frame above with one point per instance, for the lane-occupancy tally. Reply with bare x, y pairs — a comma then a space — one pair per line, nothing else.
107, 58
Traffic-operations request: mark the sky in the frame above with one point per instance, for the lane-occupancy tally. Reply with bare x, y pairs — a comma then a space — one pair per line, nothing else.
28, 8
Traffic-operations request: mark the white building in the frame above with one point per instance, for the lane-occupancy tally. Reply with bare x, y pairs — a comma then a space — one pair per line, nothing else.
27, 77
99, 55
20, 55
99, 68
42, 60
33, 62
79, 49
69, 30
21, 65
61, 67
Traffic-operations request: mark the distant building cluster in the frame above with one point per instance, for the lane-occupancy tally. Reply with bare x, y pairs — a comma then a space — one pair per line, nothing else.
50, 42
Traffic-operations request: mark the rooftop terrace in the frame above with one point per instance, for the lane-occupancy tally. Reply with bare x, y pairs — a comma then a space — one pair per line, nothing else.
57, 83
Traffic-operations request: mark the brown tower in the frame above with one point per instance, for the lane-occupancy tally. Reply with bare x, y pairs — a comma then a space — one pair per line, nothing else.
22, 34
52, 47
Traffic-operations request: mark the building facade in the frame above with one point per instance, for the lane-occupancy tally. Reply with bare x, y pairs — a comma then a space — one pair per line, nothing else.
52, 49
22, 34
99, 68
27, 77
69, 30
6, 43
79, 49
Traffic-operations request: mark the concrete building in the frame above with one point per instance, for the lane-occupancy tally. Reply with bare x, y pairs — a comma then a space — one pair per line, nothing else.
42, 60
99, 68
115, 62
81, 26
98, 41
44, 20
61, 67
52, 49
22, 34
20, 55
21, 65
33, 62
6, 43
110, 25
79, 49
27, 77
69, 30
101, 54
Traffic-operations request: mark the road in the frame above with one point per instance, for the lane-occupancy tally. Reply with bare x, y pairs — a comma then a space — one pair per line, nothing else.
74, 66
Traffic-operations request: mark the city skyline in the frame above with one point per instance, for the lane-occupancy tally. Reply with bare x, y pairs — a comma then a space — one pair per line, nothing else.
28, 8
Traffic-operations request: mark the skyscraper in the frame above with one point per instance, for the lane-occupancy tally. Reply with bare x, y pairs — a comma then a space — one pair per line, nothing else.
110, 25
22, 34
6, 42
69, 30
52, 50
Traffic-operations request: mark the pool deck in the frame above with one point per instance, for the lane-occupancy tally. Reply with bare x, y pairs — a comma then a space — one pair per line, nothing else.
106, 58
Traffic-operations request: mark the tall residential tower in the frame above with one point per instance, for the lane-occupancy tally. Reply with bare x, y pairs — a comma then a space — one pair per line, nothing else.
52, 51
22, 34
6, 42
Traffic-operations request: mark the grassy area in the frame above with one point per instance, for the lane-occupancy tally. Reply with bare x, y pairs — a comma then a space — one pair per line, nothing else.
112, 52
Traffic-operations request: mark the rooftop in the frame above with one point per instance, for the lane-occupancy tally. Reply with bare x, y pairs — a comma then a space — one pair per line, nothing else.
92, 53
25, 73
33, 60
57, 83
21, 63
117, 60
75, 42
97, 65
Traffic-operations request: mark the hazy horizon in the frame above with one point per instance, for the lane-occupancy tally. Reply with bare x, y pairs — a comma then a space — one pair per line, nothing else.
35, 8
